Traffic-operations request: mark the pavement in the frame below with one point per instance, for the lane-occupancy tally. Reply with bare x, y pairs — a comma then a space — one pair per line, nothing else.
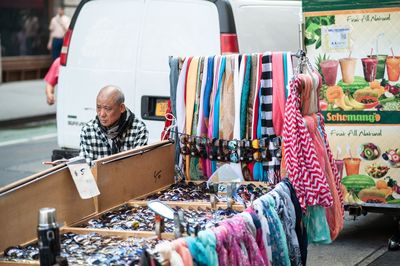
24, 101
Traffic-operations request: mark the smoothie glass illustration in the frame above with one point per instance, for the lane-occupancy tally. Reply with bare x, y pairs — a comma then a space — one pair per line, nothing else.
348, 67
339, 166
393, 67
329, 70
352, 166
369, 68
380, 69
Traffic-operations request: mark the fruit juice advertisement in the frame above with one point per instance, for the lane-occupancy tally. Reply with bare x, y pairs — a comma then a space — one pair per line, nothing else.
357, 53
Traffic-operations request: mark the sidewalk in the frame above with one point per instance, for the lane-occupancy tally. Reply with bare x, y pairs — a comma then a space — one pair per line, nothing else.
23, 101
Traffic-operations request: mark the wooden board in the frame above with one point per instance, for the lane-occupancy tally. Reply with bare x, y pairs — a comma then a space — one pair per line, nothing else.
134, 173
20, 204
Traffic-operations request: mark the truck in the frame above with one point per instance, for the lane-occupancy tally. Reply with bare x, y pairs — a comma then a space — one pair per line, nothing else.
127, 43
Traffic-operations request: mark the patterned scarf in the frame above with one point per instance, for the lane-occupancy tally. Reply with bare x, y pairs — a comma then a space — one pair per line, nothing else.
115, 132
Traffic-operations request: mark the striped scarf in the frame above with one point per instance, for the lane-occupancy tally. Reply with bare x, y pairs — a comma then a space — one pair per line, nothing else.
272, 168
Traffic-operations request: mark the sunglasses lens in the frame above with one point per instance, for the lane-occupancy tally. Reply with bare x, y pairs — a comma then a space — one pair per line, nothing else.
255, 144
232, 145
234, 157
257, 156
277, 142
278, 153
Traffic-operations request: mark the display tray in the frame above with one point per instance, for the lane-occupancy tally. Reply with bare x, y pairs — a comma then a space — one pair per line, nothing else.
135, 216
120, 178
89, 247
197, 191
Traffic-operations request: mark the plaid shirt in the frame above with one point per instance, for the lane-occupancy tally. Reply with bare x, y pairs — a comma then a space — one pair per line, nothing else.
95, 144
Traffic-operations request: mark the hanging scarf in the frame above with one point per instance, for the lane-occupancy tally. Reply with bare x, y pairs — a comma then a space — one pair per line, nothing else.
267, 128
207, 238
115, 132
197, 251
303, 168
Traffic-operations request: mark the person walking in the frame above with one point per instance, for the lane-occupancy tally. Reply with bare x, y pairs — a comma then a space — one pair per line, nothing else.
58, 27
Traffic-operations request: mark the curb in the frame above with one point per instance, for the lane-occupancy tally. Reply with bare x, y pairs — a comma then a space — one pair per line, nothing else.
25, 120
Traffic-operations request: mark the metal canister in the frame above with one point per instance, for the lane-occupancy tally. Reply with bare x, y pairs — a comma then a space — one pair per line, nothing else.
48, 237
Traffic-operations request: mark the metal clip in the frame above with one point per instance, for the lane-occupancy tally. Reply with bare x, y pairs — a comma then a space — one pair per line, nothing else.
230, 188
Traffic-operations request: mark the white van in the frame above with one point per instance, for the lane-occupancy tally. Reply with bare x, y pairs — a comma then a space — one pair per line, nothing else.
127, 43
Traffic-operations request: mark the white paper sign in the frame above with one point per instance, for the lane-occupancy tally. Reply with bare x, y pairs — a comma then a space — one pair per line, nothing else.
336, 37
83, 178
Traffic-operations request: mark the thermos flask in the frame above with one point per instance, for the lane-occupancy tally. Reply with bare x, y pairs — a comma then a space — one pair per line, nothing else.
48, 237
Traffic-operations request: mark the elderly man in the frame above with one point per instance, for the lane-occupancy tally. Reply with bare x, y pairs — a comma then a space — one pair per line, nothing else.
114, 129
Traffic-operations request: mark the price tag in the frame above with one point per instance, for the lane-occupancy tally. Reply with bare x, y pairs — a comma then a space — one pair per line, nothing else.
83, 178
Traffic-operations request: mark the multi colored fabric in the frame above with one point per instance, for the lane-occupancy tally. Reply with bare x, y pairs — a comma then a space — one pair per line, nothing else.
280, 253
195, 172
301, 230
287, 214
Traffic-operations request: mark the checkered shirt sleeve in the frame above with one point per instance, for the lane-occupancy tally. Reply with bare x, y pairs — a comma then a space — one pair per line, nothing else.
94, 144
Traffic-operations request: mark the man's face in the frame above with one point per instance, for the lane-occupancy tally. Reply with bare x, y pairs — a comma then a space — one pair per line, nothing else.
60, 11
108, 110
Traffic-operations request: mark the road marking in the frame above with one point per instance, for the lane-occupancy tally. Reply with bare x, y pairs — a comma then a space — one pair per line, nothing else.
25, 140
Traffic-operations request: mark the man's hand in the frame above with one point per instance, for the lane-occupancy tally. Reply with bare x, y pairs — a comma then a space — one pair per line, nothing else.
56, 162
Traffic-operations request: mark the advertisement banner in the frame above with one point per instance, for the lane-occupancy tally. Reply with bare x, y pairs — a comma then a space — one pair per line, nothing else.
357, 53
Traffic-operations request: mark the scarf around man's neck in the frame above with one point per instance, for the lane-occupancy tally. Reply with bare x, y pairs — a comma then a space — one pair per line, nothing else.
115, 131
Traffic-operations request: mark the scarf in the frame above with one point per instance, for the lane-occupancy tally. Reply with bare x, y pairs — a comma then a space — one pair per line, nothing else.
115, 132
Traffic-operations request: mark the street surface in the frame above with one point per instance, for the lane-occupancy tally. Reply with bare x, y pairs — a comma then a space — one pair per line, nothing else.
24, 148
362, 242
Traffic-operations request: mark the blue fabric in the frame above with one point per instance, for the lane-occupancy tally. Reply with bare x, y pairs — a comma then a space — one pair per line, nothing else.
285, 74
280, 252
197, 251
209, 241
264, 174
258, 171
245, 98
217, 107
208, 87
317, 225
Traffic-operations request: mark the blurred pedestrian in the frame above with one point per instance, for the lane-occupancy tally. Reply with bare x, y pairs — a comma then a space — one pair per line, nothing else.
58, 27
51, 79
114, 129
